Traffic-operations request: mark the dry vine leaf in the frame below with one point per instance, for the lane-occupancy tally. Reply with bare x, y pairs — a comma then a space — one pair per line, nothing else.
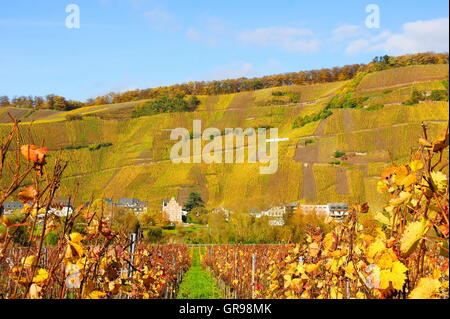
33, 153
441, 143
425, 143
28, 194
425, 289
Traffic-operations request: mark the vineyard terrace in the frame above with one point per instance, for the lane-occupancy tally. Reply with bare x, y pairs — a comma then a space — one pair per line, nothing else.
222, 147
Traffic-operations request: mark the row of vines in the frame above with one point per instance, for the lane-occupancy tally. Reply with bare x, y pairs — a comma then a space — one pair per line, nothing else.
399, 253
92, 261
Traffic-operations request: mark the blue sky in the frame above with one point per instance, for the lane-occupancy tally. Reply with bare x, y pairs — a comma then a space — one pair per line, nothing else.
127, 44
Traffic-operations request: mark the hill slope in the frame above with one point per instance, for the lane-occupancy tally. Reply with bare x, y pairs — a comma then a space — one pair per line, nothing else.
137, 163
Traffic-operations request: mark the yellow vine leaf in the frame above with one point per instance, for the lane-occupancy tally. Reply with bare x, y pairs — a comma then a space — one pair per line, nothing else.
375, 248
41, 276
396, 276
413, 233
380, 217
440, 180
29, 261
328, 241
407, 180
416, 165
403, 197
386, 259
76, 238
96, 295
425, 289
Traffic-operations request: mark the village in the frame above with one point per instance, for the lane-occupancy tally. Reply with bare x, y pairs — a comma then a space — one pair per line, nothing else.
175, 214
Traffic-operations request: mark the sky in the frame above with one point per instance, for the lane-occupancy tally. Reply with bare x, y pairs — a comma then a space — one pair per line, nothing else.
127, 44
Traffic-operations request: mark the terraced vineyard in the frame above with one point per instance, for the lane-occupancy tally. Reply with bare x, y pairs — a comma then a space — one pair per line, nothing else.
136, 164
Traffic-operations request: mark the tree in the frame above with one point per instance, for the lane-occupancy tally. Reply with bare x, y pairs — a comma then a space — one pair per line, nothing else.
194, 201
198, 215
4, 101
126, 220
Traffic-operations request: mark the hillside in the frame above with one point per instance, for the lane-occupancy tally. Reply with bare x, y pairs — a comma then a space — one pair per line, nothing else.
137, 163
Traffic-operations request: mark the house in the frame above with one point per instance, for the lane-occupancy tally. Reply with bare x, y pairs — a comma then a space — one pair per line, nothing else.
335, 210
10, 207
276, 215
172, 210
131, 203
128, 202
223, 211
338, 210
314, 209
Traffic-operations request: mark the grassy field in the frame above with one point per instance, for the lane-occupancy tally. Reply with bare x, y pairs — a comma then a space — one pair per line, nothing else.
197, 282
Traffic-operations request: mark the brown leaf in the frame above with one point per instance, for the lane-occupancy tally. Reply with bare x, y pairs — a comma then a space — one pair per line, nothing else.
28, 194
33, 153
441, 143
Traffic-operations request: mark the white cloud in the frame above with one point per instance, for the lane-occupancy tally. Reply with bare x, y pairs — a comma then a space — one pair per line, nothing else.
195, 36
232, 71
285, 38
345, 31
161, 19
419, 36
368, 44
212, 32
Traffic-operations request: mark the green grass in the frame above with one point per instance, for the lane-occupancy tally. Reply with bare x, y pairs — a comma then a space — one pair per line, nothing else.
198, 283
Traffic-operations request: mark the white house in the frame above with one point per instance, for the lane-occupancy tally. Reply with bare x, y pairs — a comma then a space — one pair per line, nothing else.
173, 210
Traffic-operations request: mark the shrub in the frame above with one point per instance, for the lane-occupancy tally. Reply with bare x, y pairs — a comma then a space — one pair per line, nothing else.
279, 93
52, 238
95, 147
375, 107
338, 154
153, 233
335, 163
75, 147
439, 95
74, 117
167, 104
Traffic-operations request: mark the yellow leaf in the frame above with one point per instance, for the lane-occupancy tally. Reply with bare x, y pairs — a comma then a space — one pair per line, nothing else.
382, 186
425, 143
382, 218
396, 276
287, 281
328, 241
76, 238
41, 276
386, 260
407, 181
425, 289
440, 180
350, 270
410, 238
403, 197
375, 248
416, 165
96, 295
29, 261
